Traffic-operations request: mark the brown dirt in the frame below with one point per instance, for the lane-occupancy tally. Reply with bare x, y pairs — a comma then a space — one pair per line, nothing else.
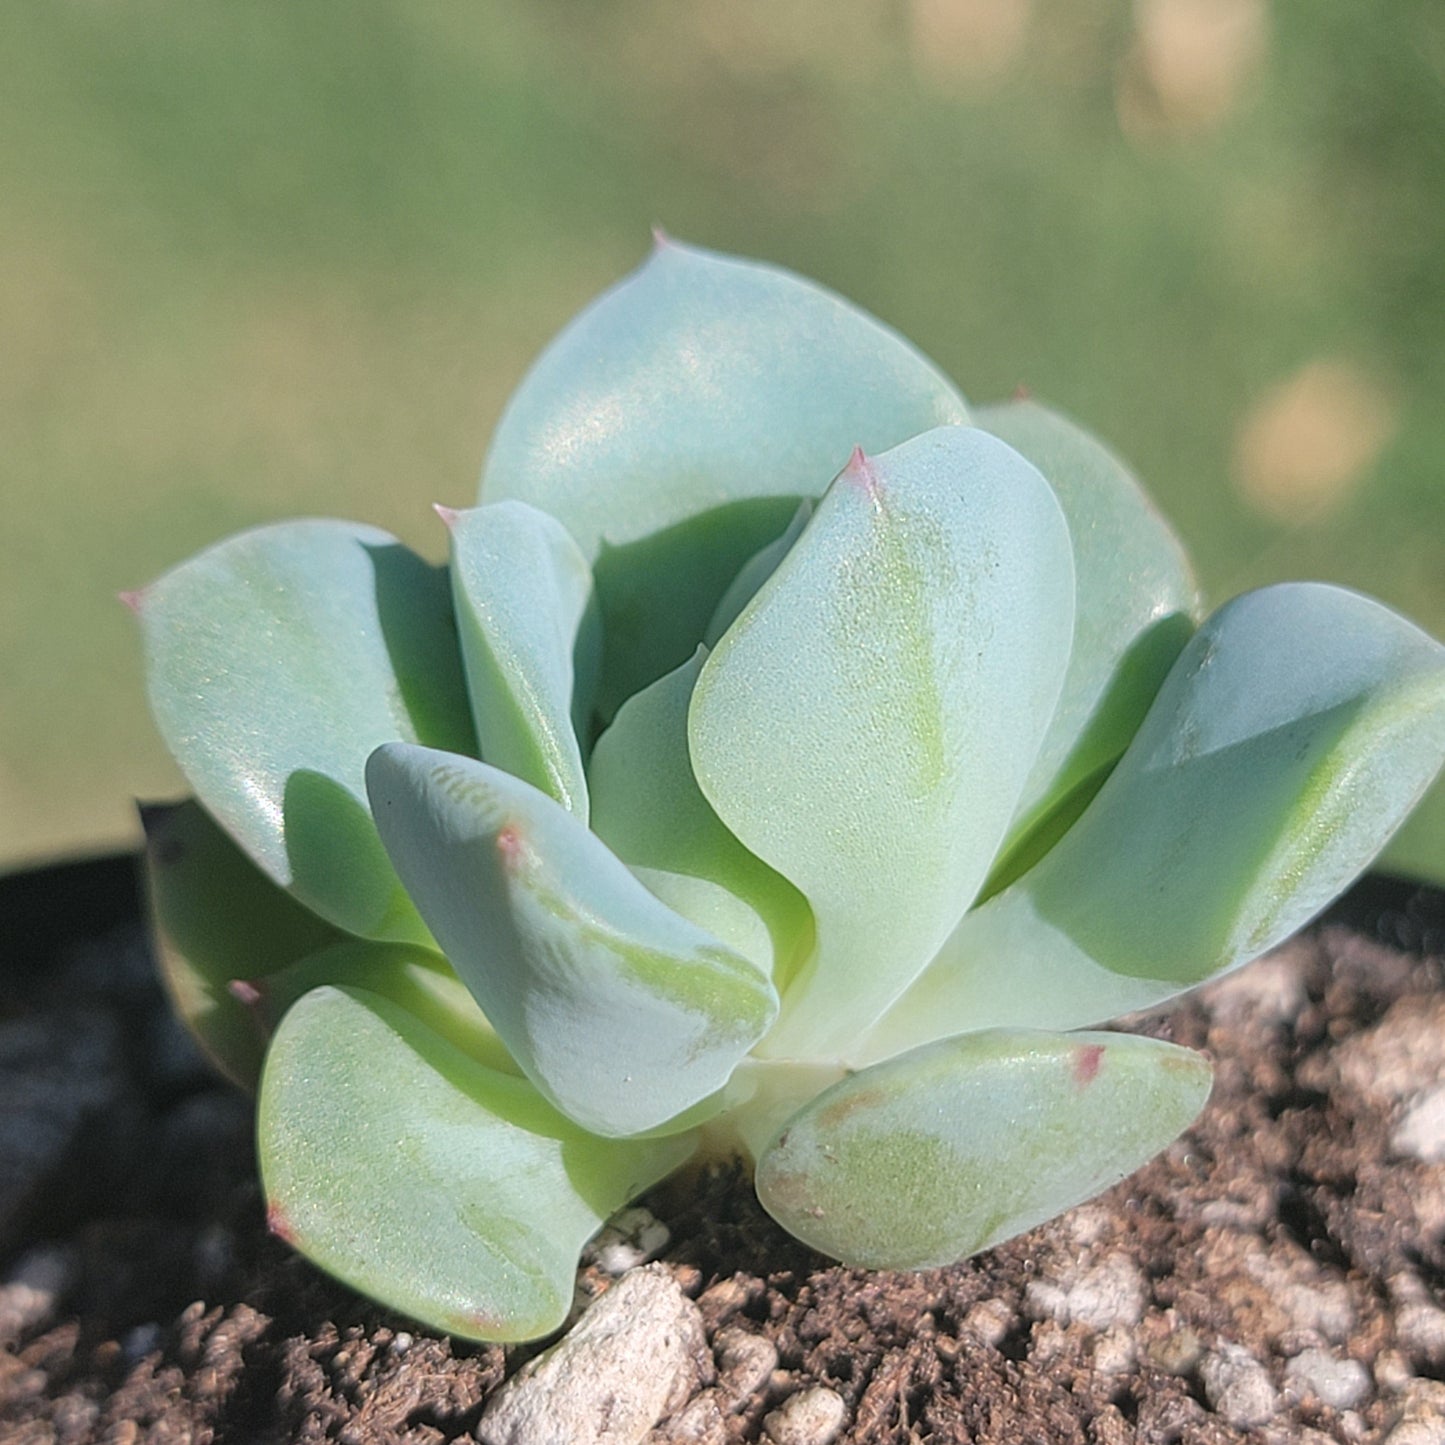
1290, 1247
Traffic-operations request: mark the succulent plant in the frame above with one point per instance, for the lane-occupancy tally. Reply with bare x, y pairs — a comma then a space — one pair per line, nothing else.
788, 762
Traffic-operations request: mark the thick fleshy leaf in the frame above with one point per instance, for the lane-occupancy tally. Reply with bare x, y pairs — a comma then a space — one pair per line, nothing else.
441, 1187
531, 643
275, 662
1136, 606
754, 572
649, 811
622, 1012
673, 426
1296, 731
218, 918
415, 979
964, 1143
866, 724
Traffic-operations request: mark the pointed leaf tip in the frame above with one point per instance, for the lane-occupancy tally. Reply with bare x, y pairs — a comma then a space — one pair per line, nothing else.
448, 515
134, 598
660, 239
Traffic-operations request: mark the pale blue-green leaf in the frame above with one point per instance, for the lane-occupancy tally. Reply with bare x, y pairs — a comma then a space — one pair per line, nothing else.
673, 426
648, 809
416, 979
275, 662
1296, 731
959, 1145
531, 642
1136, 606
866, 724
434, 1184
754, 572
622, 1012
217, 918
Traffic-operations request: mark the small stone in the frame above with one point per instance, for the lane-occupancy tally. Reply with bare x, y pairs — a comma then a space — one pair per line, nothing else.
32, 1290
811, 1417
990, 1320
1340, 1383
700, 1422
630, 1238
1421, 1421
1392, 1371
1421, 1133
1238, 1387
1114, 1351
401, 1342
1420, 1329
139, 1341
637, 1355
1112, 1292
745, 1362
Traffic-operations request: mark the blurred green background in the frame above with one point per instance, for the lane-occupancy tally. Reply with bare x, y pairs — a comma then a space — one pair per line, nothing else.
272, 258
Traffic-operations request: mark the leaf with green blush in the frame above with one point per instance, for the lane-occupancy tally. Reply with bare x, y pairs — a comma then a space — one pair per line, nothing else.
275, 662
1136, 606
649, 811
218, 918
622, 1012
1295, 732
531, 643
447, 1190
867, 723
700, 389
754, 572
961, 1144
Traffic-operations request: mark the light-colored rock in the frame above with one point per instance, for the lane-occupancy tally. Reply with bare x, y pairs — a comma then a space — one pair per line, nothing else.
1114, 1351
32, 1290
1100, 1296
1238, 1387
745, 1361
1420, 1134
1401, 1056
702, 1421
1420, 1329
629, 1239
1342, 1384
1421, 1420
990, 1320
811, 1417
636, 1355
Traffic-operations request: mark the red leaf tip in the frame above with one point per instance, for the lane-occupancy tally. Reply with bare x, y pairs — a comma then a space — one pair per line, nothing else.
134, 599
1086, 1064
1023, 392
278, 1224
862, 473
509, 844
448, 515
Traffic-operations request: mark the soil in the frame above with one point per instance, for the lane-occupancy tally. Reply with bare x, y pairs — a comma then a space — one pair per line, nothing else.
1279, 1274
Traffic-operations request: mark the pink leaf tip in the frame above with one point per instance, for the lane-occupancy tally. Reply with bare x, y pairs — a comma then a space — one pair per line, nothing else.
278, 1224
1023, 392
1086, 1064
660, 239
134, 599
861, 472
448, 515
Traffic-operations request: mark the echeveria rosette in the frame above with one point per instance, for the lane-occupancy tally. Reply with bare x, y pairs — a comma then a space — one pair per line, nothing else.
788, 761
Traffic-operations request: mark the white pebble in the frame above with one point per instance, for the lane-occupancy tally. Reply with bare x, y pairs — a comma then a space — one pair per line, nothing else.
1340, 1383
1421, 1133
636, 1355
811, 1417
1238, 1387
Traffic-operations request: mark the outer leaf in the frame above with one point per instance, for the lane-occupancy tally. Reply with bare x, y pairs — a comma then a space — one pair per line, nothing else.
276, 661
1137, 605
964, 1143
674, 424
754, 572
441, 1187
650, 812
867, 723
1295, 732
217, 918
529, 633
620, 1011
